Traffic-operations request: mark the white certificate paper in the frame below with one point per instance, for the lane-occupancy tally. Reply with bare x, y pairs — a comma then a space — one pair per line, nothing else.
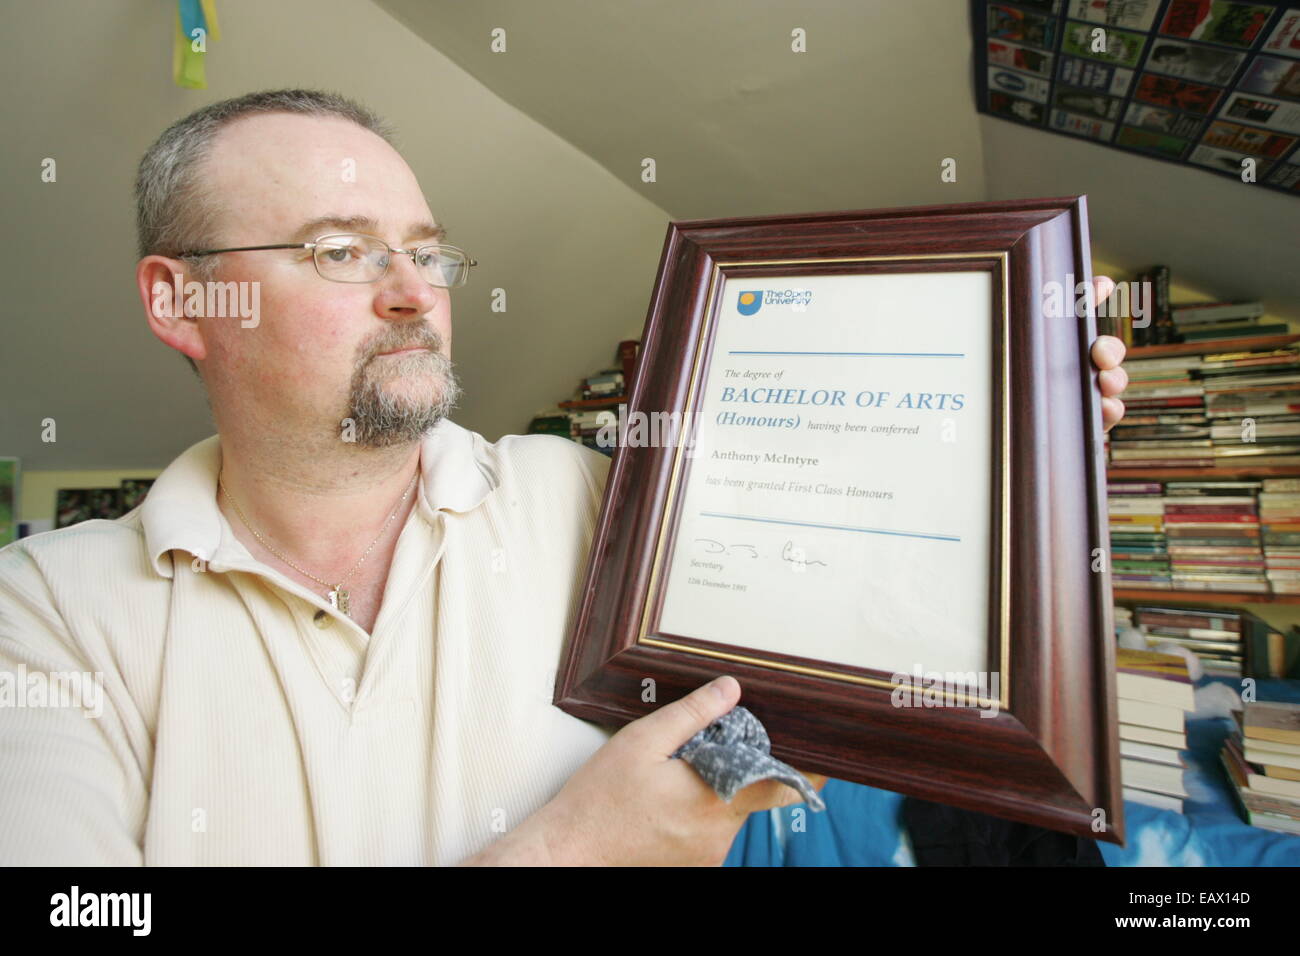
838, 503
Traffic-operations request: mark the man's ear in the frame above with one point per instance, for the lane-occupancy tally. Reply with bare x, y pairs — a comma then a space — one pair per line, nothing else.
161, 282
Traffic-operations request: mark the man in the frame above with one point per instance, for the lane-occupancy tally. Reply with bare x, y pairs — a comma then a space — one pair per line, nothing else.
330, 633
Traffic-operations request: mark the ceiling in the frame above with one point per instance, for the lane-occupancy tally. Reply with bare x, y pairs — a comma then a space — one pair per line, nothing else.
736, 122
740, 125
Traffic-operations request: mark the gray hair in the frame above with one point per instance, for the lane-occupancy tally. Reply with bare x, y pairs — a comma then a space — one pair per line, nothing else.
174, 213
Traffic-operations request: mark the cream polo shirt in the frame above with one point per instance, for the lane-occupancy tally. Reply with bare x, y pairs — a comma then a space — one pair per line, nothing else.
245, 722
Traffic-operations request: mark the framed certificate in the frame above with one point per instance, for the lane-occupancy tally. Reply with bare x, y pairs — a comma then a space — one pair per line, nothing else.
861, 469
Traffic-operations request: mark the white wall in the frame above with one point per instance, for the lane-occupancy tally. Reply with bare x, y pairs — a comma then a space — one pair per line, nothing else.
89, 84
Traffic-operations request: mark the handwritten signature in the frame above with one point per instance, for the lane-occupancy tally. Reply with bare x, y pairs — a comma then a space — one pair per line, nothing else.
717, 547
795, 555
790, 552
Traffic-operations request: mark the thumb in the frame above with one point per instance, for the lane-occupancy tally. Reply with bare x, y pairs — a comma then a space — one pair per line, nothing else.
673, 724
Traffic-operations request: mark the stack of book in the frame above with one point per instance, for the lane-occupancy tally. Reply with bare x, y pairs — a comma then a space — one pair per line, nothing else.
1279, 522
1253, 403
1228, 642
1213, 536
1158, 326
606, 384
551, 421
1137, 535
1208, 321
1164, 423
591, 415
1215, 636
1227, 409
597, 428
1263, 763
1154, 693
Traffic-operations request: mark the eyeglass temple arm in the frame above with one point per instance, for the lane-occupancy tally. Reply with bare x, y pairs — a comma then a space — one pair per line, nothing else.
213, 252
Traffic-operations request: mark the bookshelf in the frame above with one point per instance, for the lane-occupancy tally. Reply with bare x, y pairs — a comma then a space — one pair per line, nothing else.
1180, 474
1176, 596
1234, 473
1247, 343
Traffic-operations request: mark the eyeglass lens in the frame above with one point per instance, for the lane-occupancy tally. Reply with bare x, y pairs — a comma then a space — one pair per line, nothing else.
357, 258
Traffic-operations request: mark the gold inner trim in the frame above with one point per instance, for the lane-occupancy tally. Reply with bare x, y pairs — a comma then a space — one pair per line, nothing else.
715, 282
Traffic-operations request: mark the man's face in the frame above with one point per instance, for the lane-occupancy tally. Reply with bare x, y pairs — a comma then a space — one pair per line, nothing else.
322, 352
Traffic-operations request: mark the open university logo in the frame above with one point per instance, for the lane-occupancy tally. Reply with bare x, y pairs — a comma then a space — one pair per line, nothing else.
749, 302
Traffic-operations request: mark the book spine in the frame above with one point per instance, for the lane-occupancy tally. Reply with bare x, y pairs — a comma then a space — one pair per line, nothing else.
1166, 334
1142, 336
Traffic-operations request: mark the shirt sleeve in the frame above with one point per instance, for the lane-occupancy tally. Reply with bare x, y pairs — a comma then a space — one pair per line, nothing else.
595, 472
71, 793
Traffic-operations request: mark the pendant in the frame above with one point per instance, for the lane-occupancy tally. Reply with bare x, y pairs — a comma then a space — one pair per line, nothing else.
339, 599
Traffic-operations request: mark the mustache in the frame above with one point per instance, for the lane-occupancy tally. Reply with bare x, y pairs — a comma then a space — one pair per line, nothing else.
398, 337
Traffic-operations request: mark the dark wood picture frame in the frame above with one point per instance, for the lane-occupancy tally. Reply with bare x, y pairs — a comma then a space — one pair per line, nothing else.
1050, 756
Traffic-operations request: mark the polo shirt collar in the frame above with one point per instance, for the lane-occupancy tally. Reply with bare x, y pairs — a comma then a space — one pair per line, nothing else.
457, 472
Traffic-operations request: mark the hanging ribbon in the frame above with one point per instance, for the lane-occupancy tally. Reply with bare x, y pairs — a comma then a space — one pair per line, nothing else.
196, 26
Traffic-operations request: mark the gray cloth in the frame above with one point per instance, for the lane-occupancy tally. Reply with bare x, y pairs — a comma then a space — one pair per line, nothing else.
734, 751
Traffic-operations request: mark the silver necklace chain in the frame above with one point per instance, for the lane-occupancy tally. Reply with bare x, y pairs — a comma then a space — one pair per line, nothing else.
338, 596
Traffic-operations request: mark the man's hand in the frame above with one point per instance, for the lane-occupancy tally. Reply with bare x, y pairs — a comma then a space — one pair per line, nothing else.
632, 804
1107, 354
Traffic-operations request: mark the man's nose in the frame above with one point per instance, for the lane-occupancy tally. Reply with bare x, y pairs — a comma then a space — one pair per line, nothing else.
403, 293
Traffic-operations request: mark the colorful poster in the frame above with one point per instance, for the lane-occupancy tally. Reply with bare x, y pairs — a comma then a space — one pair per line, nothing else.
1089, 74
1262, 111
1120, 47
1285, 38
1272, 76
1012, 107
1207, 82
1222, 160
1182, 125
1082, 125
1286, 175
133, 492
1020, 58
1011, 23
1245, 139
1191, 61
1151, 141
1133, 14
1087, 103
1191, 97
1019, 84
1216, 21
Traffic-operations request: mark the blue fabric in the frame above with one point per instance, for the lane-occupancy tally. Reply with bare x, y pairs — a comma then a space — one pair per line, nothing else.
861, 824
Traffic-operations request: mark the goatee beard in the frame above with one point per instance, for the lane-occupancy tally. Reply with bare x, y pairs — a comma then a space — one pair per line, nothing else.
381, 418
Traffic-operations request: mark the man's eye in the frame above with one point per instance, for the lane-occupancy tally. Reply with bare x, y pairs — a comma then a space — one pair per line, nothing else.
340, 253
426, 258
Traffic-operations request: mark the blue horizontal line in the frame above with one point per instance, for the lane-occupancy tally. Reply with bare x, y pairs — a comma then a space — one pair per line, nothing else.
895, 354
833, 527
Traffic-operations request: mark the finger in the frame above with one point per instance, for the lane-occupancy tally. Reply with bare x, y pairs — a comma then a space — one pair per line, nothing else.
1103, 286
1112, 410
818, 780
1107, 352
1113, 381
764, 795
673, 724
